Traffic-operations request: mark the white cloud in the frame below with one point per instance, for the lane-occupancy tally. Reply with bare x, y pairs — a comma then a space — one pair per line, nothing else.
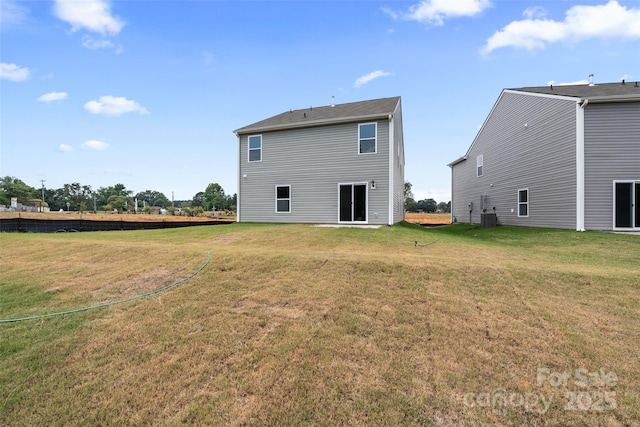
94, 145
53, 96
114, 106
90, 15
534, 12
65, 148
94, 44
437, 194
13, 72
610, 20
91, 43
436, 11
369, 77
11, 13
577, 82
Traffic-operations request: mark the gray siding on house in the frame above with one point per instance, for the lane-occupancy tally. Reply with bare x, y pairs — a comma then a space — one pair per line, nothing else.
398, 167
313, 161
540, 156
612, 152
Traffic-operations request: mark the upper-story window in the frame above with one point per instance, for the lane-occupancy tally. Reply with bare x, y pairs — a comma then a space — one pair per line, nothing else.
480, 165
255, 148
367, 134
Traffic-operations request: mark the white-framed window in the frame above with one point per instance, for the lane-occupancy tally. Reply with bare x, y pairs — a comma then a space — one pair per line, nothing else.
255, 148
523, 202
480, 165
367, 137
283, 198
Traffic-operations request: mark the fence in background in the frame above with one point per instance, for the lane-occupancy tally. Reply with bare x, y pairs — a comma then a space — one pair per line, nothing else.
28, 225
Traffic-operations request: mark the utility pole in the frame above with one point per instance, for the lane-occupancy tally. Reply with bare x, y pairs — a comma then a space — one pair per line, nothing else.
42, 202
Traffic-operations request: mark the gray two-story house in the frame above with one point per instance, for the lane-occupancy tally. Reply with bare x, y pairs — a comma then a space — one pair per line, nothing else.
337, 164
555, 156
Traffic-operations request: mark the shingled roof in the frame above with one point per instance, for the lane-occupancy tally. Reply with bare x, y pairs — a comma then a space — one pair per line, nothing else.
626, 89
318, 116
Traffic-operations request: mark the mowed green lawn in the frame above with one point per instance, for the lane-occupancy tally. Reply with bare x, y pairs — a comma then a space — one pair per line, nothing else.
301, 325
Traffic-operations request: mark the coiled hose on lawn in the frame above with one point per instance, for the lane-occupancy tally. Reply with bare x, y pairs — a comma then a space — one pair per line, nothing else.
108, 304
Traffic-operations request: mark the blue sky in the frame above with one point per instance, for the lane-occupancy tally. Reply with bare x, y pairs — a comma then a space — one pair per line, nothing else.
147, 93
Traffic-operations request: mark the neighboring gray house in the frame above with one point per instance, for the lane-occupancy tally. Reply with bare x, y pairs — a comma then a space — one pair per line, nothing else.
555, 156
342, 163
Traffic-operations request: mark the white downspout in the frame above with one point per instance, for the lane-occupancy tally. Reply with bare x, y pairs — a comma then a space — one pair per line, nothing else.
392, 187
451, 207
239, 181
580, 164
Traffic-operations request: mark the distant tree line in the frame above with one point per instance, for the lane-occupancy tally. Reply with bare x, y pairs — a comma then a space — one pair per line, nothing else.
427, 205
83, 198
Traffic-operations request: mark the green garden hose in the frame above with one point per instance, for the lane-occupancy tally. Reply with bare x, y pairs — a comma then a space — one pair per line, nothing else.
108, 304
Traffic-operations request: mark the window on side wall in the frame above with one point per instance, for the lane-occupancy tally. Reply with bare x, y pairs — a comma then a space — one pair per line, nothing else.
255, 148
367, 135
480, 165
283, 199
523, 202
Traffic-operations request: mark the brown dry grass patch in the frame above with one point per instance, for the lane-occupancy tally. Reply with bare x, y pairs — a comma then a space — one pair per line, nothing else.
298, 325
428, 218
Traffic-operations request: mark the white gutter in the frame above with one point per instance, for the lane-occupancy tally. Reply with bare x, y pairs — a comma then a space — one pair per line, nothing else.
611, 98
458, 160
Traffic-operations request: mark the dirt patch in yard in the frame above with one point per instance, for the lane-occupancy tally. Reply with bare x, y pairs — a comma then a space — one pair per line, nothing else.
428, 218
